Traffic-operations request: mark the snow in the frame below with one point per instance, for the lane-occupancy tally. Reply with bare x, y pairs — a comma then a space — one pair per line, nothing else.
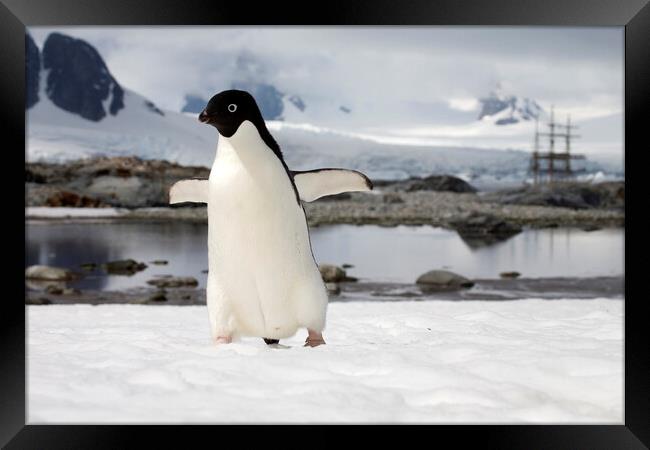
35, 212
522, 361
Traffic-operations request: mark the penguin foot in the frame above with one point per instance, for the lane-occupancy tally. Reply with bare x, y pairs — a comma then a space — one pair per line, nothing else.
271, 341
223, 340
314, 339
314, 342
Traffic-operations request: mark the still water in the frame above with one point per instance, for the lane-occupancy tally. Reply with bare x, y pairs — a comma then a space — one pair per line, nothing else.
396, 254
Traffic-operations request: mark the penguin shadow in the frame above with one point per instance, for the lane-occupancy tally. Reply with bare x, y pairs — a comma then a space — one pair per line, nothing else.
278, 346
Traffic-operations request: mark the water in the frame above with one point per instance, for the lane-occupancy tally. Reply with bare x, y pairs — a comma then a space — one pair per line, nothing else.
397, 254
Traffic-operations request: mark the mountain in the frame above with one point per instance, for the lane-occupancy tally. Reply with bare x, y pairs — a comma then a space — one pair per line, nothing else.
76, 109
508, 110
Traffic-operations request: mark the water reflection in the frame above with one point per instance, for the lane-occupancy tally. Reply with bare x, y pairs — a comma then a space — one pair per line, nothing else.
397, 254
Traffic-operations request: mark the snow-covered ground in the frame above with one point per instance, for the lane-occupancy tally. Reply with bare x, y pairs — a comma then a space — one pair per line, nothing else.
442, 362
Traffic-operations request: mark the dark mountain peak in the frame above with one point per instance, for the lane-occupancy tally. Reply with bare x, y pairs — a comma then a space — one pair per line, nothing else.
32, 71
78, 80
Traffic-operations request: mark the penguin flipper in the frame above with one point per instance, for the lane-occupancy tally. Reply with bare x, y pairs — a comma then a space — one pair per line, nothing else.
194, 190
314, 184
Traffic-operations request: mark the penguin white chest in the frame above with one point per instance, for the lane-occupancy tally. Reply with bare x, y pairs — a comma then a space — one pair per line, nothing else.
261, 270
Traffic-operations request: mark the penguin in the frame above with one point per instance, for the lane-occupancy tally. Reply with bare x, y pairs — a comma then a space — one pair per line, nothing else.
263, 280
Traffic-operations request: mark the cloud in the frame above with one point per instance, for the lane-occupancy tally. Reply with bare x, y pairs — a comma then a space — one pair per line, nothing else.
388, 76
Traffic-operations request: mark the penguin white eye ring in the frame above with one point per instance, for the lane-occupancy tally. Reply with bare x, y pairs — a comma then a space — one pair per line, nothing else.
263, 280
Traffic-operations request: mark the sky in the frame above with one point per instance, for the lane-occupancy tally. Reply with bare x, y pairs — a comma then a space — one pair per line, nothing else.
406, 81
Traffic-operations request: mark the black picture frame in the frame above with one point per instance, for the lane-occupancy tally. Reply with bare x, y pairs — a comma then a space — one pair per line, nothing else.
634, 15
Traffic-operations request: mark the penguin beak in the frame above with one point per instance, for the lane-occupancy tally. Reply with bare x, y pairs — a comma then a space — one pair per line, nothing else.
204, 117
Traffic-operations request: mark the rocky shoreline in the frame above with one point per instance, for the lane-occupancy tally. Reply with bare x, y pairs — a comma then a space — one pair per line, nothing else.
482, 289
141, 188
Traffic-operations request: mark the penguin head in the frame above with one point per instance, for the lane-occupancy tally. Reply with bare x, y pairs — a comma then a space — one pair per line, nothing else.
227, 110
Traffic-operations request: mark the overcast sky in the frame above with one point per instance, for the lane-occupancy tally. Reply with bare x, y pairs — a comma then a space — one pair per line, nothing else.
396, 73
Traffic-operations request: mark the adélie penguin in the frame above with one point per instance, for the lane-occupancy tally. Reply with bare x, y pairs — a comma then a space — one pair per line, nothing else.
262, 277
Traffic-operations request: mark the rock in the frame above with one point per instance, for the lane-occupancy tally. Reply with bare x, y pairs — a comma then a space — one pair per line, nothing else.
48, 273
475, 224
78, 80
443, 280
159, 262
333, 288
173, 282
590, 228
71, 291
392, 198
574, 195
54, 290
347, 266
38, 301
509, 274
123, 267
158, 296
333, 274
204, 271
438, 183
88, 266
68, 198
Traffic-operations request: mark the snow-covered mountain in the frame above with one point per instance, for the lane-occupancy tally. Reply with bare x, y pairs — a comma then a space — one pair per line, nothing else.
76, 109
503, 109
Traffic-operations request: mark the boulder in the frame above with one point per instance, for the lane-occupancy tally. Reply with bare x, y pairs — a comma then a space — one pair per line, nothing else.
333, 288
165, 282
443, 280
48, 273
439, 183
509, 274
333, 274
123, 267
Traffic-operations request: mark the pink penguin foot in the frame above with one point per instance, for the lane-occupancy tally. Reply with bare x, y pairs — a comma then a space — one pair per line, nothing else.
314, 339
223, 340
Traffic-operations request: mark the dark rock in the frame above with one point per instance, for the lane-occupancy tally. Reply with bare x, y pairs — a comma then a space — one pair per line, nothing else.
38, 301
590, 228
347, 266
608, 195
68, 198
509, 274
153, 108
438, 183
159, 262
345, 109
475, 226
88, 266
158, 296
443, 280
173, 282
54, 290
32, 72
204, 271
123, 267
78, 80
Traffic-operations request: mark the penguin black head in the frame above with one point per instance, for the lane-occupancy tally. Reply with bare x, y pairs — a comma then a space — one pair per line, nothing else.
228, 109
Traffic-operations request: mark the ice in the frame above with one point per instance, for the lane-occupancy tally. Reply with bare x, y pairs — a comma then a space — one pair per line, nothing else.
522, 361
